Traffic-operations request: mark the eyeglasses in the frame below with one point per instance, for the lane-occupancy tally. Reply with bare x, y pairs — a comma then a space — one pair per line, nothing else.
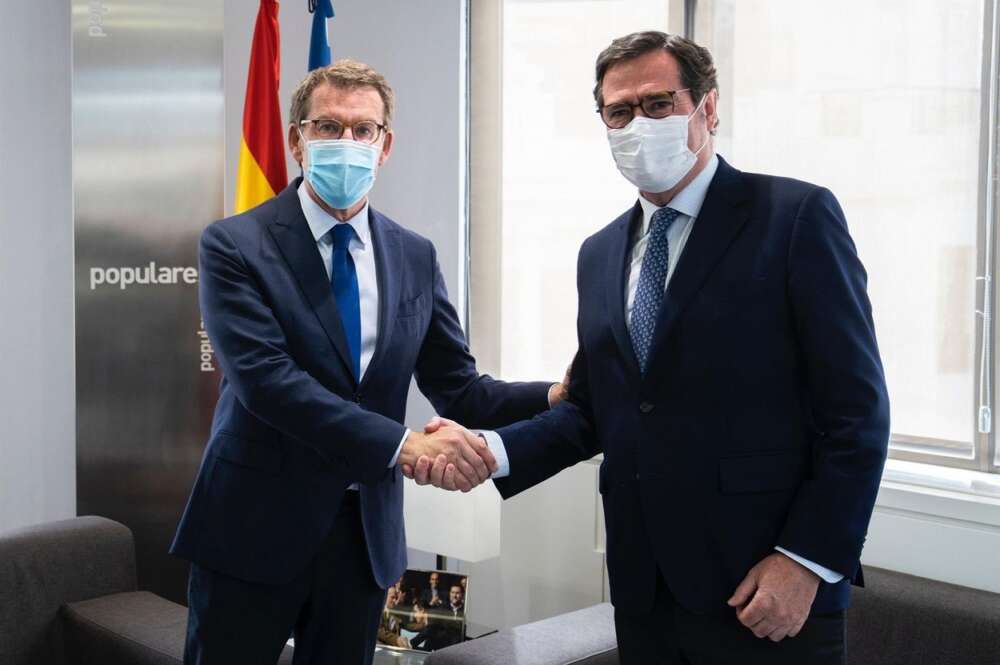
366, 131
656, 105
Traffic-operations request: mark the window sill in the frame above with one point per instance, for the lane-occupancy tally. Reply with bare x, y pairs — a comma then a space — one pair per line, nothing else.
971, 497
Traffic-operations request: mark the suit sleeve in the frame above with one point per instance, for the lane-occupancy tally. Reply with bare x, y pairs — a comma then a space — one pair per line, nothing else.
446, 373
539, 448
846, 388
253, 353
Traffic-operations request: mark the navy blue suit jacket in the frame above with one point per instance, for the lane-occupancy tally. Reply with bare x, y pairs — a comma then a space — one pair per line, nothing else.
763, 418
293, 428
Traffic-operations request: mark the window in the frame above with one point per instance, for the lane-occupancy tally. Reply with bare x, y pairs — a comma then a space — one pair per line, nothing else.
560, 184
891, 105
891, 120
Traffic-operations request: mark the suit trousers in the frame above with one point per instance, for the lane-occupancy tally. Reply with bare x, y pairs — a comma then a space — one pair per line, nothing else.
332, 608
672, 635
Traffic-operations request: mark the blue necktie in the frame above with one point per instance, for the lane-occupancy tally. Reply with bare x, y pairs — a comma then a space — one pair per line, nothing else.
344, 279
652, 282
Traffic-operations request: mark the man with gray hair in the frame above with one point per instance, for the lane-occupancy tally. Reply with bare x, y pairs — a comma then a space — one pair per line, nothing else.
727, 369
321, 310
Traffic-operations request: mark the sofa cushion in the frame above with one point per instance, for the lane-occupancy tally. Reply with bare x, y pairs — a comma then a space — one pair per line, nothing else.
129, 629
584, 637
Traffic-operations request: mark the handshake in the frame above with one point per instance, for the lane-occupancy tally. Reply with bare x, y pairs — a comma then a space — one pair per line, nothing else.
451, 457
448, 456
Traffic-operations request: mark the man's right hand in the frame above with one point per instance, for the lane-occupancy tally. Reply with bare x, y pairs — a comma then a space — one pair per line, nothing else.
462, 460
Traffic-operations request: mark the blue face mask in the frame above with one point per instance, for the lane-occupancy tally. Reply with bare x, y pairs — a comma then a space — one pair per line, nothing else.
341, 172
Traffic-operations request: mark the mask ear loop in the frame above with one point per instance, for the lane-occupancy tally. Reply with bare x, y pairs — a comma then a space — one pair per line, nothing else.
305, 150
710, 132
700, 104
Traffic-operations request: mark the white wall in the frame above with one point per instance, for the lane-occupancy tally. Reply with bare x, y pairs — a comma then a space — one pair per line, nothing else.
37, 392
948, 534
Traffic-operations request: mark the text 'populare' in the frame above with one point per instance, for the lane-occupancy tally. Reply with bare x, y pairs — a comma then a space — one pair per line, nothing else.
125, 277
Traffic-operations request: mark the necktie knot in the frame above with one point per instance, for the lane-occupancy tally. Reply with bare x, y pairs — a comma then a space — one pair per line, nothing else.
662, 219
342, 234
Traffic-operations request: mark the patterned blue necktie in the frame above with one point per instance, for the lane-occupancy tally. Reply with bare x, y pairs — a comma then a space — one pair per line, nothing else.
344, 280
652, 281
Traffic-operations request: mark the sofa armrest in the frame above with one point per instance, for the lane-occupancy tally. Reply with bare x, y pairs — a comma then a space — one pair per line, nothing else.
44, 566
584, 637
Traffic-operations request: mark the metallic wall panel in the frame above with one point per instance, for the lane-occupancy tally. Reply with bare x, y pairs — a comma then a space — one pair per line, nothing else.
148, 177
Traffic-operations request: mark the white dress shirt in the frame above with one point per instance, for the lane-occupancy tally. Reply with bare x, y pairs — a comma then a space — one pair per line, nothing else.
321, 225
688, 202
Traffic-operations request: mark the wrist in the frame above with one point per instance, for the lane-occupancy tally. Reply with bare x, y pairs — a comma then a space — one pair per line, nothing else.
556, 394
410, 452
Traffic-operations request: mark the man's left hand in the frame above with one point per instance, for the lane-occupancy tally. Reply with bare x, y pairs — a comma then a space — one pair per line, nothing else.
560, 391
774, 599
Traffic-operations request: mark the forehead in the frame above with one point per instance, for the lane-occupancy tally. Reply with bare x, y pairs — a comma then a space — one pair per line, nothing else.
348, 104
655, 71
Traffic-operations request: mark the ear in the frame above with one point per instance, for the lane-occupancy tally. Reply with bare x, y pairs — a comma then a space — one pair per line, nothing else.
295, 144
386, 148
712, 110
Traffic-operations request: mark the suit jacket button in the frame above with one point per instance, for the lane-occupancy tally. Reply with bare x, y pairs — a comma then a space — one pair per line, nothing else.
645, 407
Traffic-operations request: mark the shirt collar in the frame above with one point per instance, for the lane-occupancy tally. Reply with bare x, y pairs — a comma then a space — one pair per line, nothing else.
320, 221
688, 201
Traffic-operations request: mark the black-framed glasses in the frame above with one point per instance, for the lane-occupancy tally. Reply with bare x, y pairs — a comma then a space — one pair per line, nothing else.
366, 131
655, 105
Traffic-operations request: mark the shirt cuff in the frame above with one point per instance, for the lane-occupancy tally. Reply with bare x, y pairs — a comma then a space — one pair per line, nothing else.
825, 574
395, 458
495, 444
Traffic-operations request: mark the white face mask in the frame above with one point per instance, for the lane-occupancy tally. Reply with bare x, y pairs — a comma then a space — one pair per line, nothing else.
653, 154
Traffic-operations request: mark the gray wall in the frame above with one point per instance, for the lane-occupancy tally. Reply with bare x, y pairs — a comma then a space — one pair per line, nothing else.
37, 429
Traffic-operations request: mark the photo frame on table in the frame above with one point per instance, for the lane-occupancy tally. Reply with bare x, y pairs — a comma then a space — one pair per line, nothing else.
424, 611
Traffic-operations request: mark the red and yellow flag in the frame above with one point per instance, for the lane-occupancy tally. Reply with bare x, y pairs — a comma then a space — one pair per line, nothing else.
262, 172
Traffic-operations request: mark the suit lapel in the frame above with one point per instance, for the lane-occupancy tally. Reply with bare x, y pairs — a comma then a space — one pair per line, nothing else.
618, 256
721, 218
388, 253
295, 241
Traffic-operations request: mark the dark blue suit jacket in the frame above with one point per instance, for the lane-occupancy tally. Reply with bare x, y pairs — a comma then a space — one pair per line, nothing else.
763, 418
293, 428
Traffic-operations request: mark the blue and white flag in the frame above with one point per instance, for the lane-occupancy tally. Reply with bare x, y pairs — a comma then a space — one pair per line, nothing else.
319, 45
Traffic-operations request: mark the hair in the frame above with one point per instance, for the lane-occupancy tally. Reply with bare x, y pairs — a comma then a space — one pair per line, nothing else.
697, 68
347, 74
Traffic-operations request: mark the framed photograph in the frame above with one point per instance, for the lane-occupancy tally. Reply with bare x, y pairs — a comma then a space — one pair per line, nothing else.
424, 611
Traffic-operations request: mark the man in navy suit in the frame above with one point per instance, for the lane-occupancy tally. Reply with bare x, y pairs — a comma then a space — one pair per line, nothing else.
320, 310
728, 371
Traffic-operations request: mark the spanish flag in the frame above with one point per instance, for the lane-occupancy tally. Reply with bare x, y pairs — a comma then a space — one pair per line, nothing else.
262, 171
